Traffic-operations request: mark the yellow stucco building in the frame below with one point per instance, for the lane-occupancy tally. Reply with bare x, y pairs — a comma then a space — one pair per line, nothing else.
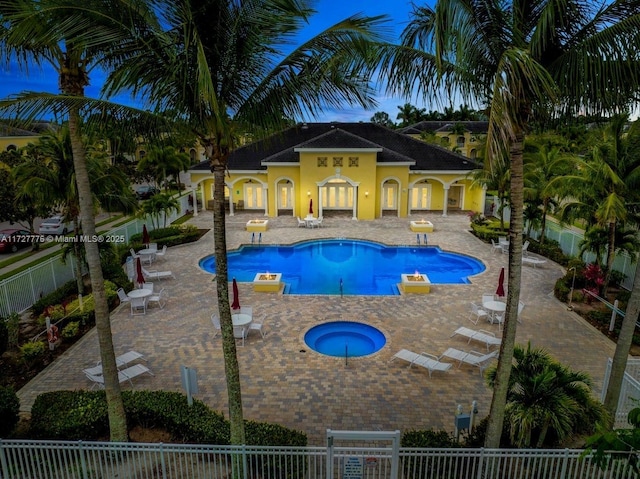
12, 138
464, 137
360, 170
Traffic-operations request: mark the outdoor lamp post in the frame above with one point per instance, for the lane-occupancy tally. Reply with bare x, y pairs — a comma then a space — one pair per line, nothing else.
573, 282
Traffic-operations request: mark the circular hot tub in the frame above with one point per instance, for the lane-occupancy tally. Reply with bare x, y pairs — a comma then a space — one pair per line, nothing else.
345, 339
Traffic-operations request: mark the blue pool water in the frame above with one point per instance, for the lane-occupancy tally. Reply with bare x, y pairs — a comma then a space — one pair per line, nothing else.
363, 267
345, 338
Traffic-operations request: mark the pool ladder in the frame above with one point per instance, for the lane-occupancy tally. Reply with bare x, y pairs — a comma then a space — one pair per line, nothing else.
424, 239
253, 238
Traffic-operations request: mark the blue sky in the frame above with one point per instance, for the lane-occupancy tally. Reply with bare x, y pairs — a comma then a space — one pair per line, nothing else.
44, 79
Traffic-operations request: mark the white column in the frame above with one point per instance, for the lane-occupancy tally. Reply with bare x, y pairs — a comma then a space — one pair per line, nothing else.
264, 200
409, 192
204, 205
446, 200
483, 199
355, 203
319, 189
194, 196
231, 202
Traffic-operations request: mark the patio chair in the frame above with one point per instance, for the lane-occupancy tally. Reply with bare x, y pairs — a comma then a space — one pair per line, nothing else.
134, 255
124, 375
162, 252
240, 205
246, 310
160, 299
488, 297
138, 306
497, 247
153, 274
215, 319
241, 332
301, 223
520, 308
147, 285
258, 326
122, 296
426, 360
153, 247
318, 223
525, 248
478, 312
472, 358
481, 335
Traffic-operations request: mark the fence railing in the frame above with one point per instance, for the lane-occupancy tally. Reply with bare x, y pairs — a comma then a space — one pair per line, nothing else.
20, 291
88, 460
629, 392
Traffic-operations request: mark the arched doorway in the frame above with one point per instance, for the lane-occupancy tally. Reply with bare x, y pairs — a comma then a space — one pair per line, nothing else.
390, 199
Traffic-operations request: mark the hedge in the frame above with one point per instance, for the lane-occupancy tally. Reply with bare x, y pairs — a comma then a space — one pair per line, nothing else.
73, 415
9, 411
55, 297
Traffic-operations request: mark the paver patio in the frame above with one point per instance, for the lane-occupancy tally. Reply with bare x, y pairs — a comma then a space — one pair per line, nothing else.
283, 381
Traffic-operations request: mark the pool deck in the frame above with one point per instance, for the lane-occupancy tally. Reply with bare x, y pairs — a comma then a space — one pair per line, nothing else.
285, 382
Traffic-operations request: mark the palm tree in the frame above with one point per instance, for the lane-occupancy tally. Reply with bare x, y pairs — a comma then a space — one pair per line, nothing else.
546, 399
607, 188
162, 203
545, 171
163, 162
519, 59
35, 32
498, 179
221, 68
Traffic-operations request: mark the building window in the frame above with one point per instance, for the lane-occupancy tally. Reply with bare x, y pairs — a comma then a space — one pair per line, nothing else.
322, 161
473, 154
460, 142
353, 161
337, 161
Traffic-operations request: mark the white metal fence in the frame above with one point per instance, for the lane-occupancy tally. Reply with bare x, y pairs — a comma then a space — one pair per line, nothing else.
629, 393
20, 291
85, 460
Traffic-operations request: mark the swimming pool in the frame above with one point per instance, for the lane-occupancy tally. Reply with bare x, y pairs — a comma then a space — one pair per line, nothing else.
359, 267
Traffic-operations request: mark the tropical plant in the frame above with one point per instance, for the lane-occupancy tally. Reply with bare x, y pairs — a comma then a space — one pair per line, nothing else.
158, 205
382, 118
546, 401
544, 173
409, 114
221, 67
497, 178
523, 61
606, 193
35, 32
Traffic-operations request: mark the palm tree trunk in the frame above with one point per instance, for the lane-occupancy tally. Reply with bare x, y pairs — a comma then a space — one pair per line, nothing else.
231, 368
78, 270
115, 406
543, 223
501, 384
611, 256
623, 346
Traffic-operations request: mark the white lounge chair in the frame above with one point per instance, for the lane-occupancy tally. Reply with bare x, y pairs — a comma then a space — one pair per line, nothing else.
121, 361
481, 335
530, 260
124, 375
473, 358
153, 274
426, 360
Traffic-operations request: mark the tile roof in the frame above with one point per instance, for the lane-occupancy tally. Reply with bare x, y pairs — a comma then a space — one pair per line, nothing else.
396, 147
35, 129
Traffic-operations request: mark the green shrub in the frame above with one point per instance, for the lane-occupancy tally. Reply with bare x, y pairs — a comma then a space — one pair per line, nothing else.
4, 335
427, 466
32, 352
56, 297
71, 415
9, 411
12, 323
71, 330
599, 317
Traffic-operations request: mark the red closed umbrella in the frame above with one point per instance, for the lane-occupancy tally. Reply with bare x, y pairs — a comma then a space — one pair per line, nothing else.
310, 207
139, 275
236, 296
145, 235
500, 290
